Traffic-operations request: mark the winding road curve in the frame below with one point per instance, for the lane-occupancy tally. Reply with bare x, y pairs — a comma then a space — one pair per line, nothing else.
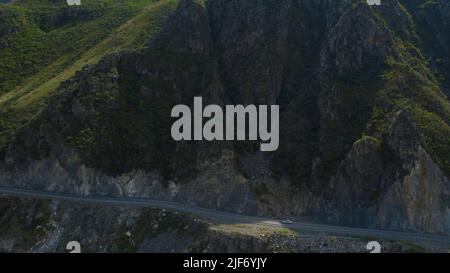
230, 218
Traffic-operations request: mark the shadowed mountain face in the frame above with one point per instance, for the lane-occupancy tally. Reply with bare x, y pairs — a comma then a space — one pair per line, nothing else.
364, 125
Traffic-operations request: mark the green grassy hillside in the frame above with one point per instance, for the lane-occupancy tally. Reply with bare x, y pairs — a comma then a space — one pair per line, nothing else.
45, 42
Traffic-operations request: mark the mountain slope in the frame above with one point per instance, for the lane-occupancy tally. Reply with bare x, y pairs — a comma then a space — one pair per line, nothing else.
365, 136
63, 49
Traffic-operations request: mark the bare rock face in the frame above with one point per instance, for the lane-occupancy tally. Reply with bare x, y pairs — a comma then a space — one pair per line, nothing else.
406, 192
357, 41
421, 197
418, 202
356, 47
358, 184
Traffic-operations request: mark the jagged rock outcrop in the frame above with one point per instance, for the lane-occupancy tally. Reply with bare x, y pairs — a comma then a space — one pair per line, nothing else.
393, 187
